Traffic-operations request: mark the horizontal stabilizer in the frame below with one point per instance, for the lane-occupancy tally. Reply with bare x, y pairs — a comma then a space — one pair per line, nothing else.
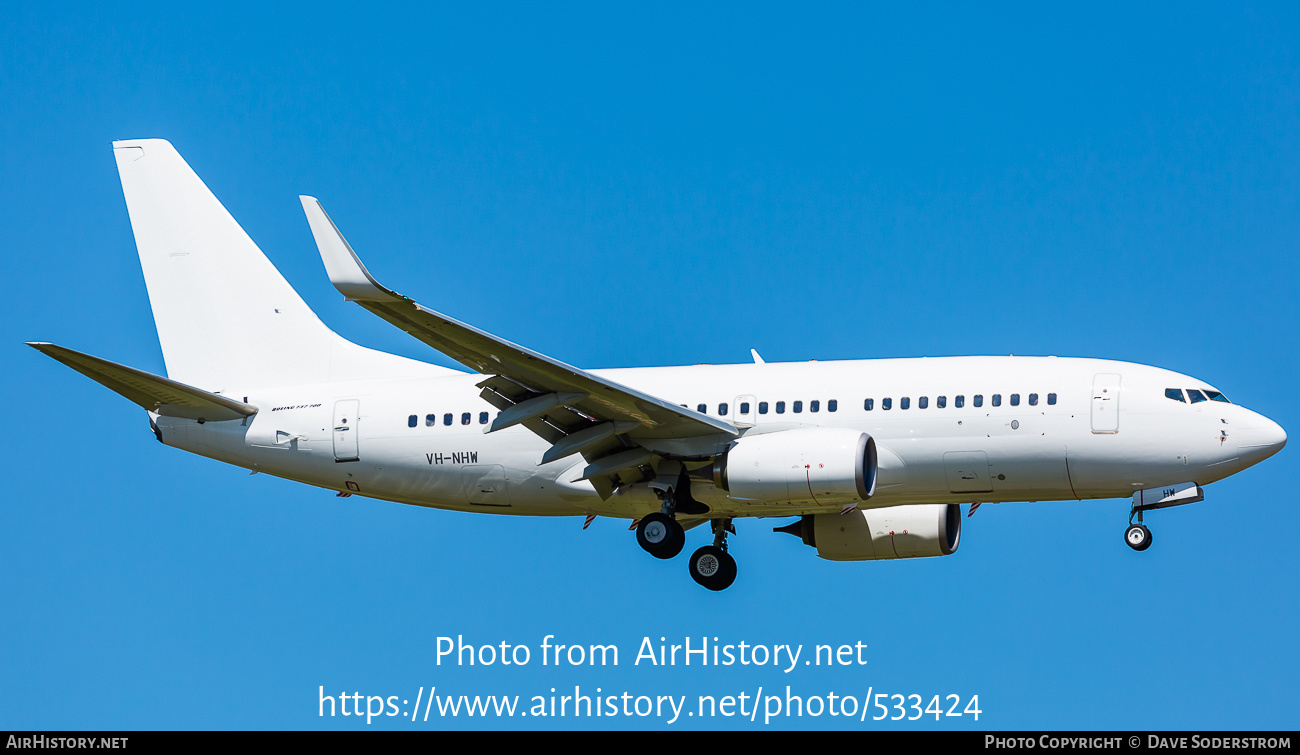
156, 394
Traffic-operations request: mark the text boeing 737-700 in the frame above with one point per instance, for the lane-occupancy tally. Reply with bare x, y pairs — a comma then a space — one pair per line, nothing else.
873, 457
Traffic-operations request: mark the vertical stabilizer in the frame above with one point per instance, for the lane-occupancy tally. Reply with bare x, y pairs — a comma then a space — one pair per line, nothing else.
226, 318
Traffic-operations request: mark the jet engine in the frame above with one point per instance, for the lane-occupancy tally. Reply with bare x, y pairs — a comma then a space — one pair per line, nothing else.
818, 465
918, 531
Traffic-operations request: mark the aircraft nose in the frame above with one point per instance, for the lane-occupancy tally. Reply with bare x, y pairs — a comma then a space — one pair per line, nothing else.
1261, 440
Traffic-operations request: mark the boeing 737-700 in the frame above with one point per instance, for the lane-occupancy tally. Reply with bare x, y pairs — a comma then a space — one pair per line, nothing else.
872, 458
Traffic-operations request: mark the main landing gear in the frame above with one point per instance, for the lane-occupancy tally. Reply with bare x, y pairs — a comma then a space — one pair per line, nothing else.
711, 566
1137, 535
662, 536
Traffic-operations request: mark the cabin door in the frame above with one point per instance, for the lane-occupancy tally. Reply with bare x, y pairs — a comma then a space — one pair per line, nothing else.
1105, 403
345, 430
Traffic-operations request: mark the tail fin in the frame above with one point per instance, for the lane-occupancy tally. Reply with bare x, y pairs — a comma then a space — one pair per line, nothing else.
225, 315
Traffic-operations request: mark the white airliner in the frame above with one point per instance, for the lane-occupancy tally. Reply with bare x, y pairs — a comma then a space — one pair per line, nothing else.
873, 457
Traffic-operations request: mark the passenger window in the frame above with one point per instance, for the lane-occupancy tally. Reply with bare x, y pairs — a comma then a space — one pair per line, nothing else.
744, 407
412, 421
832, 405
1015, 399
1176, 394
814, 406
702, 409
868, 405
798, 407
482, 418
722, 410
1195, 396
905, 402
762, 407
941, 402
959, 402
977, 400
464, 418
1214, 396
997, 399
923, 402
886, 404
1033, 399
430, 420
1051, 399
780, 407
446, 419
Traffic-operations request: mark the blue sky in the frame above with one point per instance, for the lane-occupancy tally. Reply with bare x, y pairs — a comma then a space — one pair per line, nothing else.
842, 181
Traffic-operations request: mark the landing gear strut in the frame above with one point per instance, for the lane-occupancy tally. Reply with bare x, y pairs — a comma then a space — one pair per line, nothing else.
659, 534
711, 566
1137, 535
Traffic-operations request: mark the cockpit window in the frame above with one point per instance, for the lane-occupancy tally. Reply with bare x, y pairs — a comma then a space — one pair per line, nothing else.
1195, 395
1175, 393
1216, 396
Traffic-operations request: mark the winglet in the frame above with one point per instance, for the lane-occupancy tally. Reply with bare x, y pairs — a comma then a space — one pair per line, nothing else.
757, 358
346, 272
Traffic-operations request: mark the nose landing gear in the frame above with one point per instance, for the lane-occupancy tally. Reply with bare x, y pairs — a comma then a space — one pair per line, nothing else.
1137, 535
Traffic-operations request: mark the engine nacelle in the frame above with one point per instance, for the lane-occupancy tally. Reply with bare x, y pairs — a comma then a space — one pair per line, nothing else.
817, 465
919, 531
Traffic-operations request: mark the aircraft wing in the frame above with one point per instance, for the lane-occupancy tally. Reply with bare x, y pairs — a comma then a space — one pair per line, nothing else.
616, 428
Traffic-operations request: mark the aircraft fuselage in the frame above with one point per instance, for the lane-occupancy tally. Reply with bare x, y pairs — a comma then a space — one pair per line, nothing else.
1108, 431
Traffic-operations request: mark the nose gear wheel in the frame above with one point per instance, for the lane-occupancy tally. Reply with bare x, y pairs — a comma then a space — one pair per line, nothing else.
1138, 537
